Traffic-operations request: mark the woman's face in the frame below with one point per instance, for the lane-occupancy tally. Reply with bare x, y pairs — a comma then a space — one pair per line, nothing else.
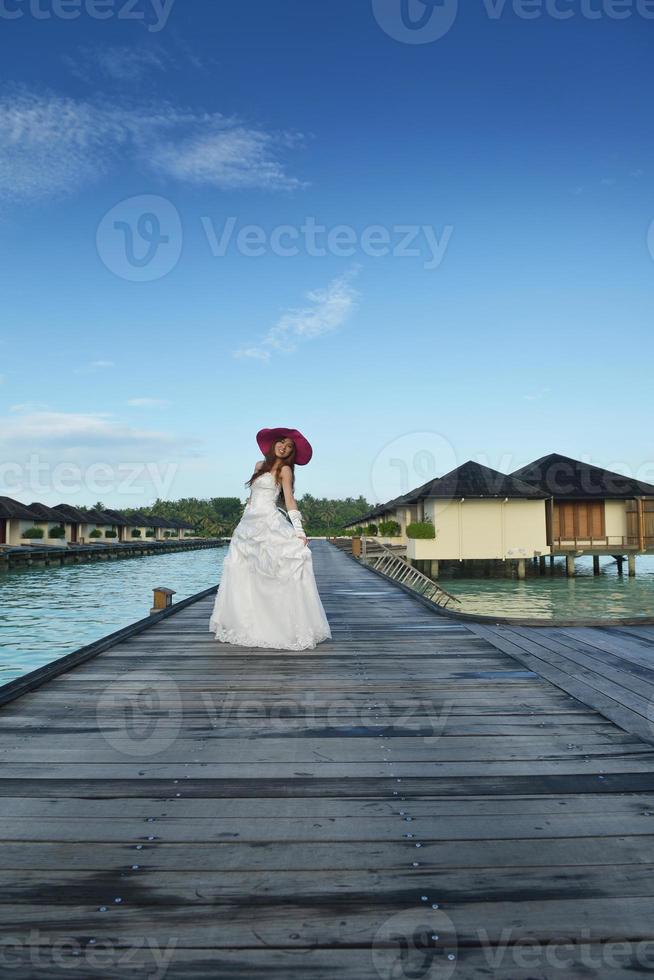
283, 448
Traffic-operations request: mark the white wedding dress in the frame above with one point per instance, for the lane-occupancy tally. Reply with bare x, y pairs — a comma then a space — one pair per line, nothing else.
267, 595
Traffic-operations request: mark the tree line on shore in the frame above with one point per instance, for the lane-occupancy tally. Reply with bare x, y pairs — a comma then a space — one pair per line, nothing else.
218, 516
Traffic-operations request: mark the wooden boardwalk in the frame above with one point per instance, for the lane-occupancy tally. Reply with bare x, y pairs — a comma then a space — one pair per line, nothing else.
179, 808
608, 668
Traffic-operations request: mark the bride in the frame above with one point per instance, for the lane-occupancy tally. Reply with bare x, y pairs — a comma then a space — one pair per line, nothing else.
267, 595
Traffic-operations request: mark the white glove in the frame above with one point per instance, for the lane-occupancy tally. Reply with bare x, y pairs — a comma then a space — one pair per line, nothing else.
295, 518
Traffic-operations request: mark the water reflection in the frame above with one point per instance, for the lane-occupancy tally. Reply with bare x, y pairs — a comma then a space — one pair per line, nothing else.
585, 596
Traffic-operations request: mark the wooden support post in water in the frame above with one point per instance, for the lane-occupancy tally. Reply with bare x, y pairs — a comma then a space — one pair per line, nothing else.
596, 565
521, 568
541, 562
631, 560
570, 565
619, 559
163, 598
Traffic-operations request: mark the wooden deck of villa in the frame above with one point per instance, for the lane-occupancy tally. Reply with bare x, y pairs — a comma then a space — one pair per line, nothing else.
418, 797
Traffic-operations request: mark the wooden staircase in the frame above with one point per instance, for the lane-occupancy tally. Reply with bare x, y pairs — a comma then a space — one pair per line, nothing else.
395, 567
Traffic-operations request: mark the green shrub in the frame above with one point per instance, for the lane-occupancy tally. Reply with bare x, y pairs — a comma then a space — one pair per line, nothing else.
136, 532
111, 534
96, 533
33, 532
389, 529
421, 529
57, 532
149, 533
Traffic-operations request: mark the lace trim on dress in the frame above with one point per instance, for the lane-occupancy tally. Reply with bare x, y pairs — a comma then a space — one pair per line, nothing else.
305, 641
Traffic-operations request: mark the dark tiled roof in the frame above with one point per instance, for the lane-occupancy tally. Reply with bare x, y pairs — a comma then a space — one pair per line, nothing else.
141, 520
72, 514
98, 517
567, 478
116, 517
468, 480
14, 510
475, 480
49, 513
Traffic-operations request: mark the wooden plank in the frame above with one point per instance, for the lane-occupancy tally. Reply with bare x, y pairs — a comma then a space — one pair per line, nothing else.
270, 809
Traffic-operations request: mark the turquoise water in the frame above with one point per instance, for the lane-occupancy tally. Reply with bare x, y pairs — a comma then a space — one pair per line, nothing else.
585, 596
48, 612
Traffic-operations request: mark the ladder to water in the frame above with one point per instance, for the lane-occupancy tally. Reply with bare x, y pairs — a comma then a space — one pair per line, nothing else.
398, 569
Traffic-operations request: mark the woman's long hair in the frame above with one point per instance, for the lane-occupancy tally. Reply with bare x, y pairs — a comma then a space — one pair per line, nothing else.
269, 461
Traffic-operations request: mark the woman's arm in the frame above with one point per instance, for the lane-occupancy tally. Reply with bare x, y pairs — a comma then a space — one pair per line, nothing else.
291, 504
287, 487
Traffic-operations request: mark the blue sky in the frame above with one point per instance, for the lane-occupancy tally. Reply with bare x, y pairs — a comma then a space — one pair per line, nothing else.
155, 167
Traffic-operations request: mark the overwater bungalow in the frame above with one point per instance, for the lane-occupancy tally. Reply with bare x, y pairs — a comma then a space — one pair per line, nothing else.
55, 524
76, 520
554, 506
141, 526
120, 523
180, 527
15, 518
591, 510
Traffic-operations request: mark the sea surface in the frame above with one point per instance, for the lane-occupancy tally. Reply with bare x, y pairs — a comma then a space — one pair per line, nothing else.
546, 597
47, 612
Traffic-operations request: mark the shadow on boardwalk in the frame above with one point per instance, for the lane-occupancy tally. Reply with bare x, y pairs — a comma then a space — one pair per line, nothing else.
179, 808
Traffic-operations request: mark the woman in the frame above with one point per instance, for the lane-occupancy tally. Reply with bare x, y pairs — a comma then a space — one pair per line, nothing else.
267, 595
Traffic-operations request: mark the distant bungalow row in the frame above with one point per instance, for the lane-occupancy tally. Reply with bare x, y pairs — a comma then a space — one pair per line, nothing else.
63, 525
555, 505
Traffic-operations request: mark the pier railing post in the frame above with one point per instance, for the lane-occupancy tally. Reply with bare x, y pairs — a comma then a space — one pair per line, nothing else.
163, 599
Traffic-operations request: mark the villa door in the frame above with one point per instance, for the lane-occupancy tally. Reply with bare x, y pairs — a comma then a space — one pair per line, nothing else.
3, 530
579, 519
73, 532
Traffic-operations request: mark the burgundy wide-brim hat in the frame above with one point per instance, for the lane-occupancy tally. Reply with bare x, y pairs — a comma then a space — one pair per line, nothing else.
303, 451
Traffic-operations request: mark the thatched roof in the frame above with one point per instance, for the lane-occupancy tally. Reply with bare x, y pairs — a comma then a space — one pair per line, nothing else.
570, 479
13, 510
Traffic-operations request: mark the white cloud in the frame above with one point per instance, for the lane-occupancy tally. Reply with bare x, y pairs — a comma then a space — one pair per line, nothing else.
82, 434
327, 311
148, 402
129, 64
51, 146
226, 157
